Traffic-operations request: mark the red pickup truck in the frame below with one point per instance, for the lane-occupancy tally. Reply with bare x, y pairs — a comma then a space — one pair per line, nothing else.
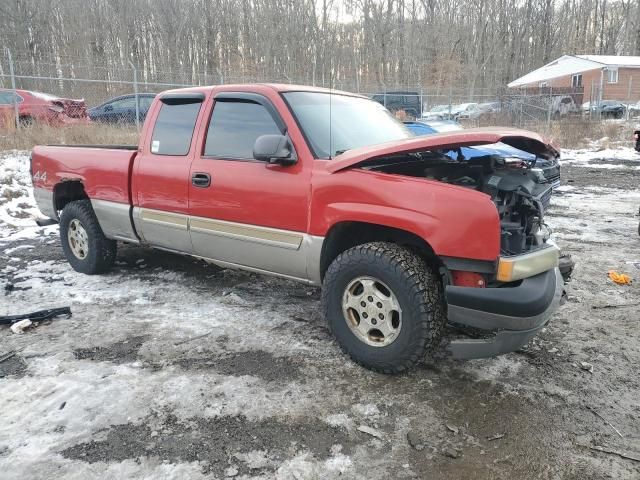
325, 187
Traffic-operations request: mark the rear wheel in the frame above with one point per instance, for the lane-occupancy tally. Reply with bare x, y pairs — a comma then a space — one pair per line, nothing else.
384, 305
83, 242
26, 121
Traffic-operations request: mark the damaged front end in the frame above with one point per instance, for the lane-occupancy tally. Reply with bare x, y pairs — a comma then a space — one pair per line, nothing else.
520, 191
512, 304
520, 195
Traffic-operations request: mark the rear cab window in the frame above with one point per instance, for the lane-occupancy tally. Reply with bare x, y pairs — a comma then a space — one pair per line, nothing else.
9, 98
175, 125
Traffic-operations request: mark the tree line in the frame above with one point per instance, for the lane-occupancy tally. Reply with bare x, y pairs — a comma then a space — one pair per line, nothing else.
364, 45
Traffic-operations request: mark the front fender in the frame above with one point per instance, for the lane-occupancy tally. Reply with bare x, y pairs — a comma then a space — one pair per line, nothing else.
454, 221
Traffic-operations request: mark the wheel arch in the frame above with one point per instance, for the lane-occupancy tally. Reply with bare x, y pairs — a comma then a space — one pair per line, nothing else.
347, 234
68, 191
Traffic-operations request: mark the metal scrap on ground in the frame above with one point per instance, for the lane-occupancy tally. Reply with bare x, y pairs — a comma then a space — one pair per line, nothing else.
38, 316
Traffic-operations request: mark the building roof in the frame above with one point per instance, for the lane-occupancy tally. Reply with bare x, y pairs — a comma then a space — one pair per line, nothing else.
613, 60
571, 64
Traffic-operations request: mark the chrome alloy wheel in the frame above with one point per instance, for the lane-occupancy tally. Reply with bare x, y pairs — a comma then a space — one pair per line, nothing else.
372, 311
78, 239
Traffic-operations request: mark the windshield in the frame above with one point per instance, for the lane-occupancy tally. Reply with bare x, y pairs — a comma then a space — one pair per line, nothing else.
334, 124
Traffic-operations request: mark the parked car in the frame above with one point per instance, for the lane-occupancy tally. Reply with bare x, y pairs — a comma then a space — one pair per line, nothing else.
609, 109
122, 109
410, 102
401, 237
37, 107
480, 110
548, 170
438, 112
563, 105
633, 109
462, 108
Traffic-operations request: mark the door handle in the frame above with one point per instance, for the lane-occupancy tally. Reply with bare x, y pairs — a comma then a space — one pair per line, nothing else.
201, 180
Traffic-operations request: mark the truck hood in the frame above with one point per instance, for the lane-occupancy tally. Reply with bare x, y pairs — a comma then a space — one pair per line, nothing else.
521, 139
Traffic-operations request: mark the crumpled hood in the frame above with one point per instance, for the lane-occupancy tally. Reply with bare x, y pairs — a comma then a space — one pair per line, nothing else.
521, 139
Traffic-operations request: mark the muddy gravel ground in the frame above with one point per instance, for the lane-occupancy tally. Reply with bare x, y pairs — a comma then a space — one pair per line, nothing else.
170, 368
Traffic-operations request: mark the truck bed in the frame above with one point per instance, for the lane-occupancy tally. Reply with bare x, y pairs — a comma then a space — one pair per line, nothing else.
103, 170
106, 147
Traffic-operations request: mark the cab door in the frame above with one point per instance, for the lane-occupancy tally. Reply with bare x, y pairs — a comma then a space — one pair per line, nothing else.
246, 212
161, 180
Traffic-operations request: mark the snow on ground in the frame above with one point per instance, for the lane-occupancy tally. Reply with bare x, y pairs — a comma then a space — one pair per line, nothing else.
170, 368
602, 158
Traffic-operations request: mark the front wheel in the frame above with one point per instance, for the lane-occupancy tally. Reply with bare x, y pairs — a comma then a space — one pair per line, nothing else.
384, 305
83, 242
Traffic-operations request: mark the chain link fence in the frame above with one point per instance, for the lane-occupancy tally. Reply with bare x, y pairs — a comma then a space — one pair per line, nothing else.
62, 92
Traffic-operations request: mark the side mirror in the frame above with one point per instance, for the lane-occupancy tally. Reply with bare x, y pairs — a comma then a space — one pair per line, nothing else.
274, 149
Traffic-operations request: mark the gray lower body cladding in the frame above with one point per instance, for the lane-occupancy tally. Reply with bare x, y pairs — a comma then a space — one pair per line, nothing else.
509, 317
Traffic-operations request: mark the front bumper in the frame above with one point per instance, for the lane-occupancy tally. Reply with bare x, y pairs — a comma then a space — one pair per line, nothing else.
506, 318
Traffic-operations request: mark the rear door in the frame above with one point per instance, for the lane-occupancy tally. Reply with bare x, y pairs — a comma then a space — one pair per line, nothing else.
243, 211
160, 184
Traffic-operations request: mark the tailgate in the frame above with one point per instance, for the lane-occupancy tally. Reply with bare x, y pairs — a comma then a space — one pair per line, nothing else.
71, 108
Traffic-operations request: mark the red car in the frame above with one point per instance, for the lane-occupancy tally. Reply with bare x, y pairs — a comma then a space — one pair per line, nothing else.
325, 188
36, 107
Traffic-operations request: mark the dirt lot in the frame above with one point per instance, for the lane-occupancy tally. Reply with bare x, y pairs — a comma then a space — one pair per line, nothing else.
170, 368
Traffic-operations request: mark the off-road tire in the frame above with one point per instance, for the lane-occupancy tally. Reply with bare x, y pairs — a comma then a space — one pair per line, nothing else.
418, 290
26, 121
101, 251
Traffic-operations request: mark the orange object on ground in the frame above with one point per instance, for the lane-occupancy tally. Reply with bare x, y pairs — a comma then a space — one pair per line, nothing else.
619, 278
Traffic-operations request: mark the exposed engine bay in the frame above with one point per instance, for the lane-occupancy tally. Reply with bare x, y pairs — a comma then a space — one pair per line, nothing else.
520, 193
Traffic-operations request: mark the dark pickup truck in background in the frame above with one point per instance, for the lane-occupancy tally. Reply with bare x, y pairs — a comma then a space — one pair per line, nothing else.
410, 102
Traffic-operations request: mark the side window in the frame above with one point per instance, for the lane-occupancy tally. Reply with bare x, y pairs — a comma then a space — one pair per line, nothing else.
234, 127
124, 103
174, 127
145, 103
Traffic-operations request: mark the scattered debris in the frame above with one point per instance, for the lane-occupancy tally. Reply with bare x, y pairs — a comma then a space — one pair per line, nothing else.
193, 338
604, 419
506, 459
21, 326
496, 437
38, 316
370, 431
7, 356
619, 278
231, 472
621, 305
628, 456
566, 266
452, 428
415, 441
452, 452
586, 366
